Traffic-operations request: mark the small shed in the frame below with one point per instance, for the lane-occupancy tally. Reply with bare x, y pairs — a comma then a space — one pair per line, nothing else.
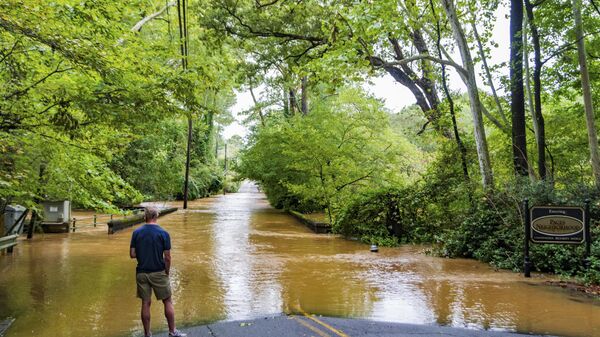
57, 216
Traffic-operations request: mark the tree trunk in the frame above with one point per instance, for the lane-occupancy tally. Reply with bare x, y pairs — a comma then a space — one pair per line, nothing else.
30, 227
257, 107
459, 143
422, 88
304, 106
403, 78
587, 93
292, 102
528, 91
426, 82
517, 105
37, 200
538, 118
478, 127
142, 22
286, 103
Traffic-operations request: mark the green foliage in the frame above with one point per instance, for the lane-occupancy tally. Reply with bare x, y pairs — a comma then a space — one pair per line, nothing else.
429, 197
154, 162
374, 218
94, 112
343, 146
204, 181
231, 184
487, 233
493, 232
415, 213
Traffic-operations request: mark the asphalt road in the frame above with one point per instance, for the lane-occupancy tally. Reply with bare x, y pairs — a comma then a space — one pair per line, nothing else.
307, 326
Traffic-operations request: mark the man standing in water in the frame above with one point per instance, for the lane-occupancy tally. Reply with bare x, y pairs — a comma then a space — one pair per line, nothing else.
151, 246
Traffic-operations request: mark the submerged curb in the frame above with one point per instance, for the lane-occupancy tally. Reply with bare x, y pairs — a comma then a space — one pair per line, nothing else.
316, 226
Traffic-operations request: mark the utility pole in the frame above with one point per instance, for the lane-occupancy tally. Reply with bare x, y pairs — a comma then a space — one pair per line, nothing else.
183, 45
225, 157
225, 168
217, 144
187, 163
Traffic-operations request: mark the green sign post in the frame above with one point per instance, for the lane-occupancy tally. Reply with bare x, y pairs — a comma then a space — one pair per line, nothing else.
556, 224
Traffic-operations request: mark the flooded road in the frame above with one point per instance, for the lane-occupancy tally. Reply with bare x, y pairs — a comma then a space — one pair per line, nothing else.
234, 257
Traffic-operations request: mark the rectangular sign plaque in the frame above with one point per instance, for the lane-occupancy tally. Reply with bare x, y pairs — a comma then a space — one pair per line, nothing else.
550, 224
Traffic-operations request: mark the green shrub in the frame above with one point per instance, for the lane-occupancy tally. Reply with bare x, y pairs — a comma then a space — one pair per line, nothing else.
231, 184
392, 215
281, 197
373, 218
494, 232
203, 181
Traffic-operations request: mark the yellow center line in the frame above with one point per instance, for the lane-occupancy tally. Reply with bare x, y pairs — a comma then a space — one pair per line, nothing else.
327, 326
312, 328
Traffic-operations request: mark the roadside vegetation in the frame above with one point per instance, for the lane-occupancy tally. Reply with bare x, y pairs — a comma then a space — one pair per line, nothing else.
95, 105
451, 170
99, 106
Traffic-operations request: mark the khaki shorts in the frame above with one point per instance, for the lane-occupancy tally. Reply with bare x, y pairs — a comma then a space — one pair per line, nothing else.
157, 281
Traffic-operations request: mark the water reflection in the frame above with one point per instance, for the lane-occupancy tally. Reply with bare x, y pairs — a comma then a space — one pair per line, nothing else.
234, 257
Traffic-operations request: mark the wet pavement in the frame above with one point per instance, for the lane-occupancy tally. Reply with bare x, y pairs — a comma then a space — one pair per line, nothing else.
304, 326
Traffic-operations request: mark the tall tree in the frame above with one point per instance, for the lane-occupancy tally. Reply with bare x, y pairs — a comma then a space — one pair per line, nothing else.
459, 143
587, 92
483, 155
517, 104
536, 111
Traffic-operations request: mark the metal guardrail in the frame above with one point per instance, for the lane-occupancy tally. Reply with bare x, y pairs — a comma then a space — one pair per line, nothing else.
136, 218
5, 324
7, 242
77, 223
97, 220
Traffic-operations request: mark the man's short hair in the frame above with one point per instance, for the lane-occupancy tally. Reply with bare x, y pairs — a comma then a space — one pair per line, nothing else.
151, 213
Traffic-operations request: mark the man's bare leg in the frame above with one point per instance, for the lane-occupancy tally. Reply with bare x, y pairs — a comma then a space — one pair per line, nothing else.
170, 314
146, 316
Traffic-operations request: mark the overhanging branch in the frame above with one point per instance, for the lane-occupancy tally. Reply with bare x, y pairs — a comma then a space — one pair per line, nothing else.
407, 60
142, 22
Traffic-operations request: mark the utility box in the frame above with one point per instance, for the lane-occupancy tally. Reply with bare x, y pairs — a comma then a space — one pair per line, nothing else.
11, 215
57, 216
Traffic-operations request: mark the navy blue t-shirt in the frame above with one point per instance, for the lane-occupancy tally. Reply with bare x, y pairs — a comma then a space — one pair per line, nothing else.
150, 241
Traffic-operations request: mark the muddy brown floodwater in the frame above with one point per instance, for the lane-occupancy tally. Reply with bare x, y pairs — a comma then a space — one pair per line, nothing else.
234, 257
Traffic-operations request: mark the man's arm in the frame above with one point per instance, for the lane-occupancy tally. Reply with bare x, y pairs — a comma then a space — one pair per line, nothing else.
167, 261
132, 245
